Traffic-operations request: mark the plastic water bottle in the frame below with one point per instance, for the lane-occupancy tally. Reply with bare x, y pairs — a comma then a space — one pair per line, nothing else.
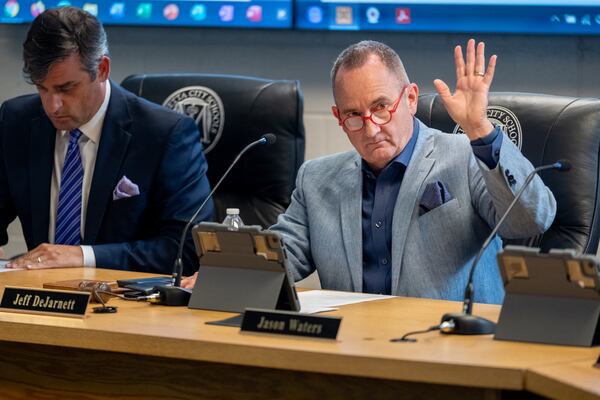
233, 220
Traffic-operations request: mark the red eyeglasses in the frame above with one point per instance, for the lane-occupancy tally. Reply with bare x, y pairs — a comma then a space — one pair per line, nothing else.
378, 116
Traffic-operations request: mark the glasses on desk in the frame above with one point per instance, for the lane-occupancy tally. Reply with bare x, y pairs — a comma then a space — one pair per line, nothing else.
380, 115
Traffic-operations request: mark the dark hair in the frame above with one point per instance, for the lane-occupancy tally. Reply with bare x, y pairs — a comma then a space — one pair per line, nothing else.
58, 33
356, 56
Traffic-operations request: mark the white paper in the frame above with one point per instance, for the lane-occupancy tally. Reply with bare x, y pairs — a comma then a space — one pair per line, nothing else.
3, 269
314, 301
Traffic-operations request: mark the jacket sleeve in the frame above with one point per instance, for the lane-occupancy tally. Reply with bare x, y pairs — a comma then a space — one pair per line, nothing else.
293, 226
7, 210
492, 191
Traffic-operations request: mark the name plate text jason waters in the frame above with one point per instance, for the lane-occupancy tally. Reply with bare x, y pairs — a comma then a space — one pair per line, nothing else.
290, 323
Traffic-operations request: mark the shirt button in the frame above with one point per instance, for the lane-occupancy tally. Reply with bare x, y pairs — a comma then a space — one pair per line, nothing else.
497, 153
384, 261
378, 224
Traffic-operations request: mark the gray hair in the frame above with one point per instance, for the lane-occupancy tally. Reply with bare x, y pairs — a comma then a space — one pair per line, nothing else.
356, 56
58, 33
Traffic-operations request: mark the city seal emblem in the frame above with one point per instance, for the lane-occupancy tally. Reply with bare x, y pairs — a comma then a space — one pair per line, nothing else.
506, 120
205, 107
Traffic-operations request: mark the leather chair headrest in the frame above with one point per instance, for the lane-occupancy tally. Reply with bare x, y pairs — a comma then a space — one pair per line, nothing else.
232, 111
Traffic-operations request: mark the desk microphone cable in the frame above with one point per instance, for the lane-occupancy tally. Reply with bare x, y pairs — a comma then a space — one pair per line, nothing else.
104, 309
156, 297
149, 297
446, 325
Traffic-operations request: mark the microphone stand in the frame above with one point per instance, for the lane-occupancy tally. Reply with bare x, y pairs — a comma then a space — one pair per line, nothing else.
175, 295
465, 323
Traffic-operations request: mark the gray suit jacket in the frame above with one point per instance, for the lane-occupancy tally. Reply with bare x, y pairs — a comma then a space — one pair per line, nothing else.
431, 253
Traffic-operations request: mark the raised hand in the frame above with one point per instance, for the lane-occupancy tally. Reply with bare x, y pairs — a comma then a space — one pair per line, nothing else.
467, 106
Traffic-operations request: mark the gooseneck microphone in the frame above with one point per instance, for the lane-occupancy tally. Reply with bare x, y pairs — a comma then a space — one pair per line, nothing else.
175, 295
464, 323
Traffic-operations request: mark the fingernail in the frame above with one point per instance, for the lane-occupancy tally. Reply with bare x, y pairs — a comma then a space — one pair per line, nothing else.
9, 265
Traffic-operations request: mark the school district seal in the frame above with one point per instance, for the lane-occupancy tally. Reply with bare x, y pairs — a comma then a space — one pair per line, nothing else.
205, 107
506, 120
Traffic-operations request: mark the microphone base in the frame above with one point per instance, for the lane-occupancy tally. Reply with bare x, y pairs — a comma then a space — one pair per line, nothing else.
466, 324
172, 296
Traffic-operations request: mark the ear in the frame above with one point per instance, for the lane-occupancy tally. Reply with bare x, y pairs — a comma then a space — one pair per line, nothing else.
104, 69
412, 97
336, 113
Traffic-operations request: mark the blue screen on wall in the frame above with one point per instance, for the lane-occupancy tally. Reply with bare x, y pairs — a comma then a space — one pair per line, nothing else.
217, 13
578, 17
581, 17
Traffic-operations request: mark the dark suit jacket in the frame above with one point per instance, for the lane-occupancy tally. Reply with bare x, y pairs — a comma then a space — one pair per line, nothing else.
157, 149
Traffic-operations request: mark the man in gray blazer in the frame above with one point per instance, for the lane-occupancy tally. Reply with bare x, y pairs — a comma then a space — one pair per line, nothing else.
407, 211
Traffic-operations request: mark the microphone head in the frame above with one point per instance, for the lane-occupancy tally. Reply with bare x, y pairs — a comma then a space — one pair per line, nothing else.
562, 165
268, 138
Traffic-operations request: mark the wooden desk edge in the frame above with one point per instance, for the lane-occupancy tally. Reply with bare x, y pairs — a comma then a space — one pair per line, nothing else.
262, 356
539, 381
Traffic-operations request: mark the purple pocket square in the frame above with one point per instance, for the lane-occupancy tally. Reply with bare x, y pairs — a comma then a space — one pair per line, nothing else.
125, 188
434, 195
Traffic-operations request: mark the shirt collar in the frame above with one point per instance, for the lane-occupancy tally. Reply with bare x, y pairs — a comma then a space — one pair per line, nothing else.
405, 155
93, 128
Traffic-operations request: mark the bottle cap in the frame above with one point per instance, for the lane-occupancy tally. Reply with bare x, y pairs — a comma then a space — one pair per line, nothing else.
233, 211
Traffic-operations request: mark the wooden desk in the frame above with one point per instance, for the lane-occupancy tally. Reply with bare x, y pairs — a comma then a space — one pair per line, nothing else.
575, 380
146, 351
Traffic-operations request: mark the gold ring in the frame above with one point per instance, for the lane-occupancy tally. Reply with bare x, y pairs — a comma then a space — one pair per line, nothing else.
39, 260
479, 73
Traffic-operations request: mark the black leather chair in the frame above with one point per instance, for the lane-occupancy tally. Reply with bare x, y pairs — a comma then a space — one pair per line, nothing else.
548, 128
232, 111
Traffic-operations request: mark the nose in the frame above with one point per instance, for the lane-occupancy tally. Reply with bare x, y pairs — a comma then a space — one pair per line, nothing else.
55, 103
371, 128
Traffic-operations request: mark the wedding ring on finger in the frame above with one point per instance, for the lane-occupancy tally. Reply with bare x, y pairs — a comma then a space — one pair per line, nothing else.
39, 260
479, 73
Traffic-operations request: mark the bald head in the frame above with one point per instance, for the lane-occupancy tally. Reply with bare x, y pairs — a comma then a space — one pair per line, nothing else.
357, 55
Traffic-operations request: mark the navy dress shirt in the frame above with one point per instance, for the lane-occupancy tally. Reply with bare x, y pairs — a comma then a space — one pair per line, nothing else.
379, 195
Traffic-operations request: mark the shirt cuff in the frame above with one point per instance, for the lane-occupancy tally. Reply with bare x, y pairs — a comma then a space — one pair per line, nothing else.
487, 149
89, 258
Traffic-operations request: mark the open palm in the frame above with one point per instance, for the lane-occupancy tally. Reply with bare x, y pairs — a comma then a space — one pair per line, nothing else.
467, 106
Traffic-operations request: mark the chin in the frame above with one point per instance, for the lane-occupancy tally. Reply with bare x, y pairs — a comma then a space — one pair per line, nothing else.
63, 125
382, 155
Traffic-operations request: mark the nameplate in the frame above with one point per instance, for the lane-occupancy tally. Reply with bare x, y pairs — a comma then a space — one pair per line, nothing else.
61, 303
290, 323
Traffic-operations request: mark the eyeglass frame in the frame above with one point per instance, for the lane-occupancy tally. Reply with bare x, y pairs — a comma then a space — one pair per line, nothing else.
342, 122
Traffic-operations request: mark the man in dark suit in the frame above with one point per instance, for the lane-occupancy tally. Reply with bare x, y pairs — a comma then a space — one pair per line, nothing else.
96, 175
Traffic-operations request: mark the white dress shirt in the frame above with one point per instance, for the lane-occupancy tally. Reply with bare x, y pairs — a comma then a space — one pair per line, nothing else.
88, 148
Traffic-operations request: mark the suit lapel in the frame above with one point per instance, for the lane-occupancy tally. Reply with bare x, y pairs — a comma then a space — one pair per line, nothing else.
416, 173
351, 219
109, 159
41, 164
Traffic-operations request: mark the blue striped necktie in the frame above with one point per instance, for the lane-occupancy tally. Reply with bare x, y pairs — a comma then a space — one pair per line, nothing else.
68, 212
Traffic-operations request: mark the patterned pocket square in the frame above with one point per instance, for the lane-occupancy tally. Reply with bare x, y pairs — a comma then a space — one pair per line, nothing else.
434, 195
125, 188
